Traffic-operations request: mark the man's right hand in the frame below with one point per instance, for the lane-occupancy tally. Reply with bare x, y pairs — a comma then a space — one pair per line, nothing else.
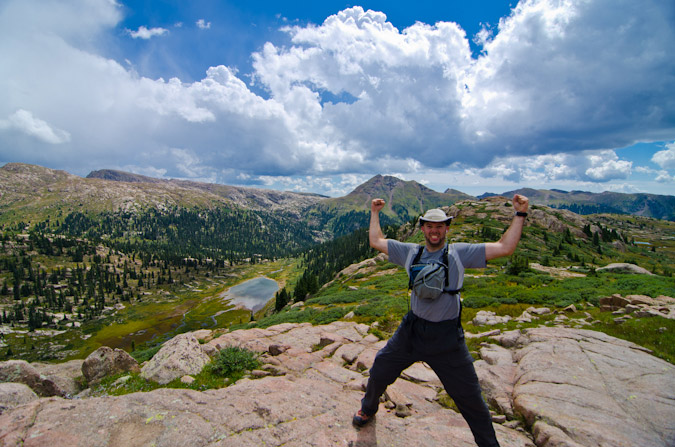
375, 235
376, 205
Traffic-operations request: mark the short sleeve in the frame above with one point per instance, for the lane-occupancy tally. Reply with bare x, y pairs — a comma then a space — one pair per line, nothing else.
471, 255
398, 251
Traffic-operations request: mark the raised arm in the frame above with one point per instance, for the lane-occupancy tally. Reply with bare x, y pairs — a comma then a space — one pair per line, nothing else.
509, 240
375, 235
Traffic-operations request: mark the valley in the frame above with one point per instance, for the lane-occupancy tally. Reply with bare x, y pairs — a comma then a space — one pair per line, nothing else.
132, 262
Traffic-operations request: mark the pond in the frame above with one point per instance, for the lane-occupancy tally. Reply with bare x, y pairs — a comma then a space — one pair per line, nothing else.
161, 321
252, 294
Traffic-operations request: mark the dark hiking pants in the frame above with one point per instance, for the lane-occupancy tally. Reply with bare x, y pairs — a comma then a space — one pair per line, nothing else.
421, 340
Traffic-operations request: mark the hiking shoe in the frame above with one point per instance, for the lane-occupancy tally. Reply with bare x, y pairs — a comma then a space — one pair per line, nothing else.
360, 419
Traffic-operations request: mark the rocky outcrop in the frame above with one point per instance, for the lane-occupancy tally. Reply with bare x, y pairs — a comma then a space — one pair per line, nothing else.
489, 318
639, 306
571, 388
66, 375
499, 208
622, 267
105, 362
20, 371
576, 387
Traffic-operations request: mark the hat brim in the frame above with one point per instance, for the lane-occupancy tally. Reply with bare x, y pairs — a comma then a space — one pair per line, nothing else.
422, 220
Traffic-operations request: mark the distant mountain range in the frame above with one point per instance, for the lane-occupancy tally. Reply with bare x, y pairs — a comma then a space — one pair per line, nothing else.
582, 202
30, 193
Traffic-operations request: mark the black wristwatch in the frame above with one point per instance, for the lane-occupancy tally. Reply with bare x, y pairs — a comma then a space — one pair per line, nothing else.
521, 214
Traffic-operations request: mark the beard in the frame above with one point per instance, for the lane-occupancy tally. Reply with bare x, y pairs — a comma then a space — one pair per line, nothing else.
433, 246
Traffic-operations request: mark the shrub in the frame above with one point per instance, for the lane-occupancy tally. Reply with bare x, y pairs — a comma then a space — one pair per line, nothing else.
285, 316
234, 361
341, 297
480, 301
644, 285
329, 315
143, 355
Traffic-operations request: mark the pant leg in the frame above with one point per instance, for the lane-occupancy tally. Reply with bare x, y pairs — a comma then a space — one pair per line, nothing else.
389, 362
461, 383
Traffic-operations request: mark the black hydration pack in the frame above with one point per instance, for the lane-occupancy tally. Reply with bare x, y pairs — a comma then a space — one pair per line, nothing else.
430, 280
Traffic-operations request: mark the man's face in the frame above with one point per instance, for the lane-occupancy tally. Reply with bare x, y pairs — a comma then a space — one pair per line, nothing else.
434, 234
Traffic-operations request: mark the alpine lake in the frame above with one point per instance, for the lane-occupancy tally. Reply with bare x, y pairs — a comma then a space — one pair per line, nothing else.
216, 303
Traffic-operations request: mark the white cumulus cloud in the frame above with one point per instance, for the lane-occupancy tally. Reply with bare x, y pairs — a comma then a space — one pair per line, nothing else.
557, 82
25, 122
666, 157
147, 33
203, 24
588, 166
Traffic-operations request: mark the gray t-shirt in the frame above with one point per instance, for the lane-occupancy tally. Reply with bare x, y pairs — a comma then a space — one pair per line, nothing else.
446, 306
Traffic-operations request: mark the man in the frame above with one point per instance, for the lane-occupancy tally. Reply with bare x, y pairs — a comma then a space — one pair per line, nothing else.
431, 331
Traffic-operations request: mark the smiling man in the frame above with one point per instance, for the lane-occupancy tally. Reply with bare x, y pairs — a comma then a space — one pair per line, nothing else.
432, 330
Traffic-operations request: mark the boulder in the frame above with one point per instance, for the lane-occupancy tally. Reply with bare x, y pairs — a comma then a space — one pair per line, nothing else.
106, 362
642, 299
525, 317
538, 310
66, 376
14, 394
486, 317
614, 302
622, 267
639, 305
20, 371
180, 356
571, 308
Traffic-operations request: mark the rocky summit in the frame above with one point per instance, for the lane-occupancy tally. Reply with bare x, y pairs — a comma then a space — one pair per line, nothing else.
549, 386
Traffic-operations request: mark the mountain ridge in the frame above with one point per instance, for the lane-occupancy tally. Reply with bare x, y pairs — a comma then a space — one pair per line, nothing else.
25, 188
585, 202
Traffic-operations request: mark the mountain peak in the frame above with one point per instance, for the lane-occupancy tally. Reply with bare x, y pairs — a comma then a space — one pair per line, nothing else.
381, 183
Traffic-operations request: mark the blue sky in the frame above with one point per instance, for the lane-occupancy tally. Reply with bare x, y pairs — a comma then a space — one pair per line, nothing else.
237, 29
479, 96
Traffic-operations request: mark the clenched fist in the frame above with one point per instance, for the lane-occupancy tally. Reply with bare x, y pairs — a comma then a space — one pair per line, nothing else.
376, 205
520, 203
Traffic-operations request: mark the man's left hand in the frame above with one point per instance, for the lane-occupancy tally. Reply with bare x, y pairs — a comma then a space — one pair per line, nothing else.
520, 203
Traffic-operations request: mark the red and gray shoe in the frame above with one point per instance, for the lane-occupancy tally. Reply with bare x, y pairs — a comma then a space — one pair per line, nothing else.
360, 419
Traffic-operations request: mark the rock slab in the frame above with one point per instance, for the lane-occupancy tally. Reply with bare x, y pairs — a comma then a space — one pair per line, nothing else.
581, 387
571, 387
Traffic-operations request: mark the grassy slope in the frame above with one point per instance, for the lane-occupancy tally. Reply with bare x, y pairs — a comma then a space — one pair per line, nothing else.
378, 293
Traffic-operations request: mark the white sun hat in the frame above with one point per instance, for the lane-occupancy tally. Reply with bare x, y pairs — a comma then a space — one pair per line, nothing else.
435, 215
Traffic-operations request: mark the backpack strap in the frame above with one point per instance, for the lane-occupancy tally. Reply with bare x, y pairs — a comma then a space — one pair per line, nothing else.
451, 255
447, 260
413, 260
